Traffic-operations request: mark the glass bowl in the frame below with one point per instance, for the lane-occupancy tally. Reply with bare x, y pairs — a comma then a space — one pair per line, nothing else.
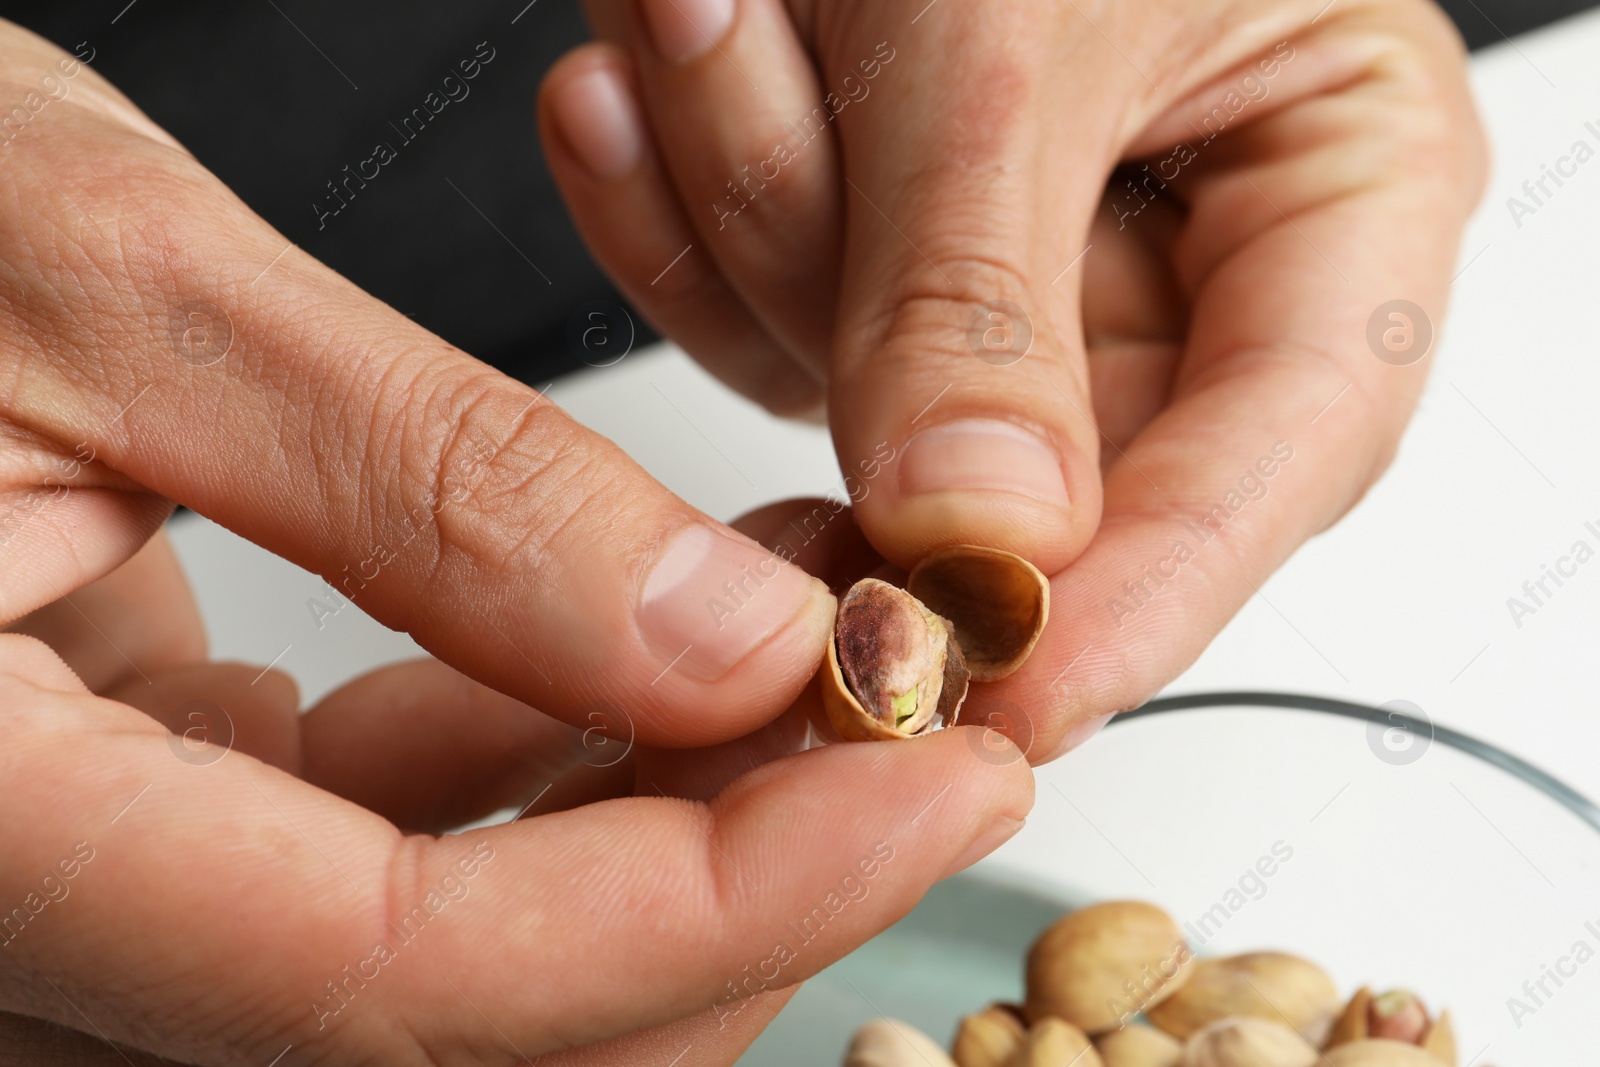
1401, 854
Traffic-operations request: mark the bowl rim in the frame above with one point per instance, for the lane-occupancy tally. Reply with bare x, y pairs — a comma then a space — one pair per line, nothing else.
1557, 790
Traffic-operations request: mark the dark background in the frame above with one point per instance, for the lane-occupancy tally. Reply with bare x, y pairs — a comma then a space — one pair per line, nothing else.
264, 93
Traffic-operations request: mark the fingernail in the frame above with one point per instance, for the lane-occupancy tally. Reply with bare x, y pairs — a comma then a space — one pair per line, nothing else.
1078, 734
994, 835
982, 454
683, 29
599, 119
712, 598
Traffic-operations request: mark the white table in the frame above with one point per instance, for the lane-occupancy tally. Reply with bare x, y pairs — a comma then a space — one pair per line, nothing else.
1406, 598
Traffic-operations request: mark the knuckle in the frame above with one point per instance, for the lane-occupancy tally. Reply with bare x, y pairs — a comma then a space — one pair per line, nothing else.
508, 479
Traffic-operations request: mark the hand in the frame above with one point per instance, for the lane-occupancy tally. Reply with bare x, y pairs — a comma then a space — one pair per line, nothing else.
1195, 209
160, 343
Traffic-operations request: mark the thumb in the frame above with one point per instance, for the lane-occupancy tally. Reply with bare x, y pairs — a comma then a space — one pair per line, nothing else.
958, 372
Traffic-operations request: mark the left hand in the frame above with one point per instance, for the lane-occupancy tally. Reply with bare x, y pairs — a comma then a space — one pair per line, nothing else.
851, 188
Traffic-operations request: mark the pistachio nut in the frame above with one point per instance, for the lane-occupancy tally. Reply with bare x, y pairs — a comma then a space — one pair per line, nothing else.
892, 1043
1055, 1043
1247, 1042
1100, 965
988, 1038
1398, 1015
892, 665
1263, 985
1139, 1046
998, 602
1378, 1052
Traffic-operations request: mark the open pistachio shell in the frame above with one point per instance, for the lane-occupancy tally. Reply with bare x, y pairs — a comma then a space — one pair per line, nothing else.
892, 665
1263, 985
1352, 1022
1441, 1039
998, 603
1405, 1019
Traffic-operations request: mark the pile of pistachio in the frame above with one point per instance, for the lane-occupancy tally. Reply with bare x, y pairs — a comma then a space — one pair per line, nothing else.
1114, 985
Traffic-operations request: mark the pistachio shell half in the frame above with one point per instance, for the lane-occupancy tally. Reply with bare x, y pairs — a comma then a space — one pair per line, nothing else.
998, 602
892, 1043
1248, 1042
988, 1038
1261, 985
1139, 1046
1103, 964
892, 665
1378, 1052
1397, 1015
1055, 1043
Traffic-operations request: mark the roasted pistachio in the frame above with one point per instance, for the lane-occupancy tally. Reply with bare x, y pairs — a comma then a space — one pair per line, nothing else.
892, 1043
1248, 1042
1263, 985
1377, 1052
988, 1038
891, 665
999, 604
1139, 1046
1398, 1015
1103, 964
1055, 1043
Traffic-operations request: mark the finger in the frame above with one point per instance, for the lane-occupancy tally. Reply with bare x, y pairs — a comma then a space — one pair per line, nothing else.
715, 1038
139, 619
214, 708
746, 131
605, 163
844, 839
445, 499
418, 743
1282, 415
430, 749
957, 353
